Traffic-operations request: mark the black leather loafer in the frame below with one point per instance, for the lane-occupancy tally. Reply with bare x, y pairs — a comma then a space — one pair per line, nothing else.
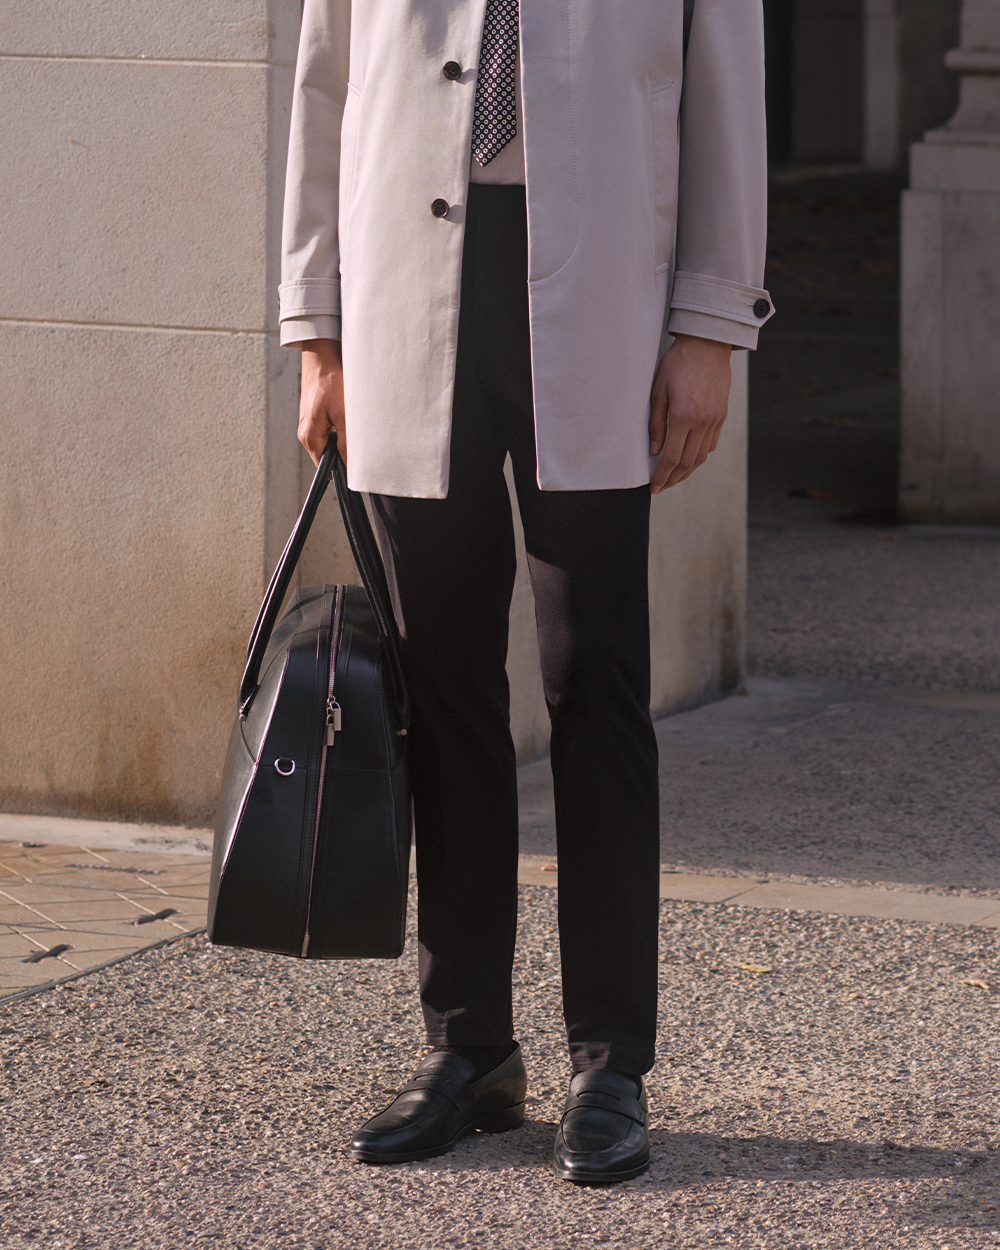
603, 1137
440, 1106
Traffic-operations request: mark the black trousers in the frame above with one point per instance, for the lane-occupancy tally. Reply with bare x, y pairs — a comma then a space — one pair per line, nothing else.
451, 568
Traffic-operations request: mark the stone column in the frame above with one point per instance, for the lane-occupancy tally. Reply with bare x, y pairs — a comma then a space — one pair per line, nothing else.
950, 450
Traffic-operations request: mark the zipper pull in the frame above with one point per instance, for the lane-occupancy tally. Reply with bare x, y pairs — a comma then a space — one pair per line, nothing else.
333, 720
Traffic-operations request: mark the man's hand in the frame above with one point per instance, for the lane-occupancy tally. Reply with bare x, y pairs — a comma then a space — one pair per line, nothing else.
688, 406
321, 403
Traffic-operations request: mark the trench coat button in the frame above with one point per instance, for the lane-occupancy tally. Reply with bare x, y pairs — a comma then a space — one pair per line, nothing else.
440, 208
452, 70
761, 308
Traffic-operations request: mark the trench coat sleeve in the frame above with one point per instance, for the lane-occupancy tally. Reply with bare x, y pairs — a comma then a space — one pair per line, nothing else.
295, 331
722, 192
310, 250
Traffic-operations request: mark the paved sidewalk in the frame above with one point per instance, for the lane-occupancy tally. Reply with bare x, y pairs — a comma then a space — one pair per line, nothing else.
98, 891
66, 909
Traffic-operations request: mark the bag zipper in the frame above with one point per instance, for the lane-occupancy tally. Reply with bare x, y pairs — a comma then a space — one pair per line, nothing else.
333, 725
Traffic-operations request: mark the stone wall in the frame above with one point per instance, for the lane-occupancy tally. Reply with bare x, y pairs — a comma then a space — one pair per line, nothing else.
147, 479
950, 450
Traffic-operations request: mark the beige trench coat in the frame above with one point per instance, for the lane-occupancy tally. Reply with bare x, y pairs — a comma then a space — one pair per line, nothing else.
646, 190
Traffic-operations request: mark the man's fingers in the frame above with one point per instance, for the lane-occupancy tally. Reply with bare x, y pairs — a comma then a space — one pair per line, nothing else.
716, 435
313, 432
699, 456
671, 460
314, 435
657, 425
691, 388
688, 447
321, 403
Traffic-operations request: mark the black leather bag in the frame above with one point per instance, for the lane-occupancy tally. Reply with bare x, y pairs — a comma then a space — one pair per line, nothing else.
312, 842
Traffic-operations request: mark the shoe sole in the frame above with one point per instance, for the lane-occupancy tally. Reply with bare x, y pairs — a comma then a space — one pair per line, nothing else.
497, 1122
601, 1178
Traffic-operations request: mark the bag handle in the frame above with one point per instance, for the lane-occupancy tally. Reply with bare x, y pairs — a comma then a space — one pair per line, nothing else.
369, 561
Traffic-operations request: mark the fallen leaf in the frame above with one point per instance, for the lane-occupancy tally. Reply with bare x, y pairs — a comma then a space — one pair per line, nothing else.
753, 968
810, 492
550, 867
836, 423
976, 984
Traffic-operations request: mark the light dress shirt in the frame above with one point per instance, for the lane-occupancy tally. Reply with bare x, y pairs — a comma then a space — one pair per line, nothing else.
506, 169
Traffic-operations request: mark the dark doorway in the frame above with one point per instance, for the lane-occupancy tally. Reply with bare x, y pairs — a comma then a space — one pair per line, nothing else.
824, 382
779, 35
814, 52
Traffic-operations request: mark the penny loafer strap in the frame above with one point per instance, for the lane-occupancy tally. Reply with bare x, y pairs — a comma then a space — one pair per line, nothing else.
453, 1086
599, 1099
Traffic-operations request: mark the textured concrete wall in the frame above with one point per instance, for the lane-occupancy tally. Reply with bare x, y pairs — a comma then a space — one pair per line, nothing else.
144, 401
150, 472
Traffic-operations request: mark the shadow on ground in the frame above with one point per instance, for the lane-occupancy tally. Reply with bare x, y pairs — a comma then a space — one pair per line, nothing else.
685, 1160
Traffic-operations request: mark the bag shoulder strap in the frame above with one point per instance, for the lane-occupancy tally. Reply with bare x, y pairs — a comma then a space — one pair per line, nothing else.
369, 562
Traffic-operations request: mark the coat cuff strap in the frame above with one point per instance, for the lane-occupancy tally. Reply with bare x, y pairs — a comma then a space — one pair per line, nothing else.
718, 297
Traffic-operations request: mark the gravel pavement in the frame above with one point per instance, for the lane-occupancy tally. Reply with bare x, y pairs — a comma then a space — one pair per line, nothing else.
915, 606
825, 782
199, 1096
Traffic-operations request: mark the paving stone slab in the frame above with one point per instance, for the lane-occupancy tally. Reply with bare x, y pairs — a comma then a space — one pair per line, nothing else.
16, 976
14, 945
107, 908
63, 831
42, 892
883, 904
115, 882
12, 913
93, 907
692, 887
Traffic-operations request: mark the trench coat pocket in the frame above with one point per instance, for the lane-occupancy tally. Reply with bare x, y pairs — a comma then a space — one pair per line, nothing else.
664, 101
349, 128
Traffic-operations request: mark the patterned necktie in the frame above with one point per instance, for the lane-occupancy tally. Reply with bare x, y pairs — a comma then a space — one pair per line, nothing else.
494, 122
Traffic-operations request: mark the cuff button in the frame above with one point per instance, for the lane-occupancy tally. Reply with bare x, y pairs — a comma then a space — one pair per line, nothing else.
761, 308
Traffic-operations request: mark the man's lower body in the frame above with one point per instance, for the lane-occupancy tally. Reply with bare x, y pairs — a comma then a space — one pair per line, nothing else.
451, 566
